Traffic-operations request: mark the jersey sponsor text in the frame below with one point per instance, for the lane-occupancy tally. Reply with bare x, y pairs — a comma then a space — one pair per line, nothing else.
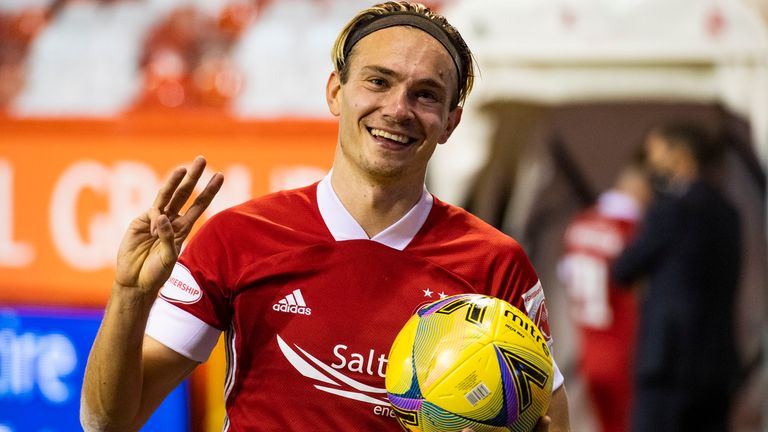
361, 363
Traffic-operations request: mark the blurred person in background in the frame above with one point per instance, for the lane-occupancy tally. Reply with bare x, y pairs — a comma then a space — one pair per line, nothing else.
186, 58
689, 248
605, 312
17, 31
311, 284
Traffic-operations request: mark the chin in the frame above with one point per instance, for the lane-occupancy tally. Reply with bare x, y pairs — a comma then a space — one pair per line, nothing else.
385, 171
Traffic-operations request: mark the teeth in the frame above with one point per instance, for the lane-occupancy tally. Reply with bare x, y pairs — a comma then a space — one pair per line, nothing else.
384, 134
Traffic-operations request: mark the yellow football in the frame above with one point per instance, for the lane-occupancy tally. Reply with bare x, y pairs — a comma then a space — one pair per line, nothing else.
469, 361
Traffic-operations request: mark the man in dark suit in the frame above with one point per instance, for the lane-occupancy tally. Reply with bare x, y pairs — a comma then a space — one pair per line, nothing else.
689, 249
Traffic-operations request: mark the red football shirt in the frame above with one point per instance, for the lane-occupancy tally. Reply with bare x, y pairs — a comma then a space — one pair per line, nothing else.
593, 240
310, 306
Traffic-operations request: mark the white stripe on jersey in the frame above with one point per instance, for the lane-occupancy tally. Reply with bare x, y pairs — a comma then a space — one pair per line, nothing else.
231, 356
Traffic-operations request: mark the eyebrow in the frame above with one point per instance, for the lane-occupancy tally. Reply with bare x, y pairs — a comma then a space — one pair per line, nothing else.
429, 82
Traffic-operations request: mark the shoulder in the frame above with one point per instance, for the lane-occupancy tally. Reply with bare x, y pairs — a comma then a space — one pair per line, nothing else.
284, 205
664, 206
488, 259
711, 204
452, 223
255, 229
705, 192
275, 214
452, 234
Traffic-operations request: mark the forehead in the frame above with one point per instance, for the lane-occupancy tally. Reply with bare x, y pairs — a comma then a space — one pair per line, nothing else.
405, 49
657, 142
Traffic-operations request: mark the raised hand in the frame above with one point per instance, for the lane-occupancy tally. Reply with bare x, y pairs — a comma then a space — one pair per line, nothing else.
151, 245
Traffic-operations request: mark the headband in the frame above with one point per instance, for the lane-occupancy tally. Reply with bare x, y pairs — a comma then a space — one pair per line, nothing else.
404, 18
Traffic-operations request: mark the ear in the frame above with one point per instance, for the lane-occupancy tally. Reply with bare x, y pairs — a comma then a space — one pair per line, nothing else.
333, 92
454, 117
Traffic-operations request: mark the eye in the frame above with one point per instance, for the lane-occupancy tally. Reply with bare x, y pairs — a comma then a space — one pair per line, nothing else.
377, 82
427, 96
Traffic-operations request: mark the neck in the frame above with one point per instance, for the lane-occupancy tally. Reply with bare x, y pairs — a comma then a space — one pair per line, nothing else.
375, 205
685, 172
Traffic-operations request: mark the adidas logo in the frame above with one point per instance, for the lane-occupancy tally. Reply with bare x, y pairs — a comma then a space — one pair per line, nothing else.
293, 303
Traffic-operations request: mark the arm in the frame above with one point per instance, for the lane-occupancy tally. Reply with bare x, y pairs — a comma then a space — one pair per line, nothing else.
558, 411
557, 419
654, 235
129, 374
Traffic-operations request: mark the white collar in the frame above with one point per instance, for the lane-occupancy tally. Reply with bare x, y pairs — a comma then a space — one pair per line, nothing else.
618, 205
343, 226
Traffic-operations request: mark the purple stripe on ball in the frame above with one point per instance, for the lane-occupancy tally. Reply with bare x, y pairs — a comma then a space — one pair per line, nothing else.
508, 384
405, 403
433, 307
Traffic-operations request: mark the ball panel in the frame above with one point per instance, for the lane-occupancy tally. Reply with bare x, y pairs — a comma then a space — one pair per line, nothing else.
523, 350
449, 330
515, 328
409, 418
436, 419
400, 359
472, 389
511, 406
531, 377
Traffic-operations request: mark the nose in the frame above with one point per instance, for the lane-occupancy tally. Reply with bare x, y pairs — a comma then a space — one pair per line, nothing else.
397, 105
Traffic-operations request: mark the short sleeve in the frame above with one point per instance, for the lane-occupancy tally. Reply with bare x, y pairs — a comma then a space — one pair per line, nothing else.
181, 331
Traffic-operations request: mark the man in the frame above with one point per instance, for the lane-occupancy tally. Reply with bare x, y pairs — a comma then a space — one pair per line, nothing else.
312, 285
605, 312
689, 247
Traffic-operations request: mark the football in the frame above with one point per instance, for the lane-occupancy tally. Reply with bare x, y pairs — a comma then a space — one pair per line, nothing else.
469, 361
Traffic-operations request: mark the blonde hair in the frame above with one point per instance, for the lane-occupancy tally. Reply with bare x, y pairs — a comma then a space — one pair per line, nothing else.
340, 53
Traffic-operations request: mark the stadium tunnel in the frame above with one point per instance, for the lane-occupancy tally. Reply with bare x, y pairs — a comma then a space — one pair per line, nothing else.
567, 91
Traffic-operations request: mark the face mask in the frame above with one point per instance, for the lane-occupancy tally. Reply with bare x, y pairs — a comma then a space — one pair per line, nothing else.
660, 182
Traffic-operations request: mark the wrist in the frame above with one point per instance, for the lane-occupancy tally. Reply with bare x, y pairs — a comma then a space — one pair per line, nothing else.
132, 297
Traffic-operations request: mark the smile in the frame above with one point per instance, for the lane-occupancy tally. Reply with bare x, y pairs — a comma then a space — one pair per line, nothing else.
402, 139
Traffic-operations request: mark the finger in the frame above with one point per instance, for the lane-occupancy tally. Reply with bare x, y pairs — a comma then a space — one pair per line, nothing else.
163, 196
153, 213
184, 191
203, 200
168, 251
543, 424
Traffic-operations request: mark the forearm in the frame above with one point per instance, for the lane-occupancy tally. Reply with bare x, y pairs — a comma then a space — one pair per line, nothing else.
558, 411
126, 378
112, 386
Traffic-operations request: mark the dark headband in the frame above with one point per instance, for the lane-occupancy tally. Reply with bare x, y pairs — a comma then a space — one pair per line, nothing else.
404, 18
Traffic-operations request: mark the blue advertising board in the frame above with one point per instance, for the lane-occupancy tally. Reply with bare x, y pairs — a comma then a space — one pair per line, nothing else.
43, 352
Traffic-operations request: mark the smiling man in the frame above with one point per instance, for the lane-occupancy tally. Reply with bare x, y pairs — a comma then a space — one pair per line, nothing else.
310, 286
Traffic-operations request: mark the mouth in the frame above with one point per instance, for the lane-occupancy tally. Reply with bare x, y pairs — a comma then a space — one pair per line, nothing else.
391, 137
